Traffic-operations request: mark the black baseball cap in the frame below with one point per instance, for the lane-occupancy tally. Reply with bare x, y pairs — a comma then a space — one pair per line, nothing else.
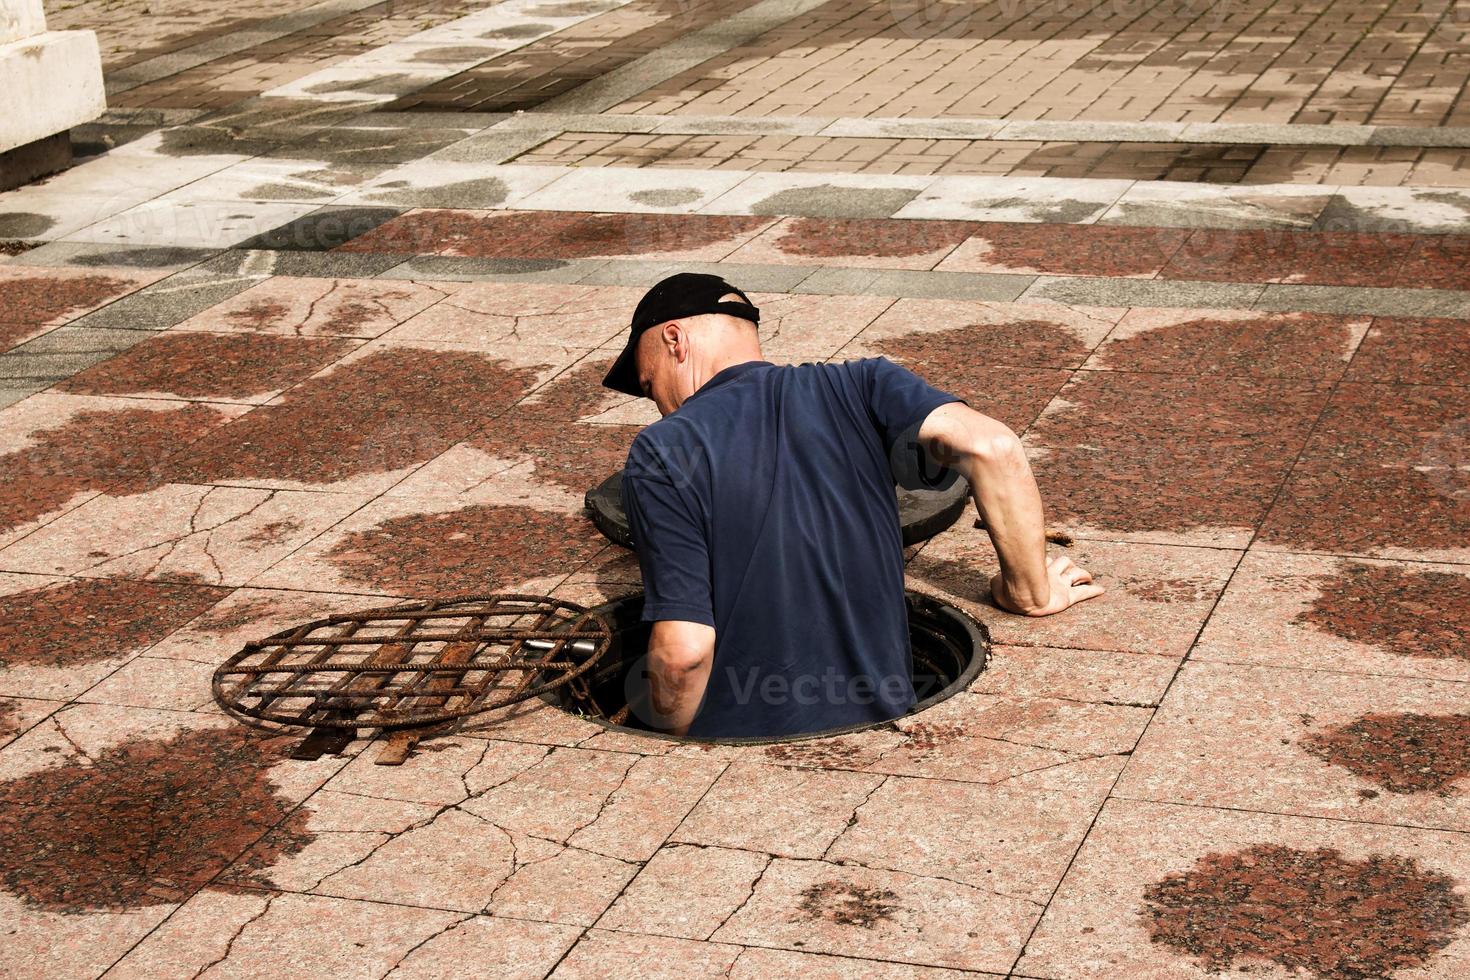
681, 295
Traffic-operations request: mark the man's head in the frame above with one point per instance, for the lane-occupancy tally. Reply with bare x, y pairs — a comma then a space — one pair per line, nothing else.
685, 330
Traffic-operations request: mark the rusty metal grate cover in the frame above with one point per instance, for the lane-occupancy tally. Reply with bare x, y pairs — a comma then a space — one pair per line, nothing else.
417, 664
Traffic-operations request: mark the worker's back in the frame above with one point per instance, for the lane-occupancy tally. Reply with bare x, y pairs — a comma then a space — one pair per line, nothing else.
764, 507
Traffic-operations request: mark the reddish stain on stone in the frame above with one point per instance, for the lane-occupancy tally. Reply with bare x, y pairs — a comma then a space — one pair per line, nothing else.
1403, 753
8, 718
926, 736
274, 532
1173, 589
346, 318
1406, 611
258, 315
1080, 250
1273, 345
847, 904
85, 620
570, 454
829, 237
1385, 469
825, 755
144, 823
1275, 255
474, 549
41, 299
551, 235
1313, 911
209, 365
222, 619
394, 408
119, 451
12, 334
1134, 452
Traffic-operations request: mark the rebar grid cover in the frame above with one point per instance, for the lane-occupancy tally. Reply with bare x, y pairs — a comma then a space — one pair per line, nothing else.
417, 664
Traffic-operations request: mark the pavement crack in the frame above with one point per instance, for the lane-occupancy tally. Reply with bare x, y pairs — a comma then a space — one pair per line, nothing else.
240, 931
853, 818
754, 884
448, 927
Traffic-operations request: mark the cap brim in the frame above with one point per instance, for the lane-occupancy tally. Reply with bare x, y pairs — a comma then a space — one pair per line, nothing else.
623, 375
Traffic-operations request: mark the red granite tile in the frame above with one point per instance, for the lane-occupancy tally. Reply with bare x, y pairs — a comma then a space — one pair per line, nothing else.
35, 295
320, 307
360, 425
509, 948
180, 533
1357, 616
243, 367
708, 881
1273, 255
882, 243
1414, 350
17, 715
145, 822
1436, 262
420, 547
490, 315
1162, 890
1068, 250
1099, 676
12, 335
1384, 474
945, 340
1157, 597
1309, 743
559, 234
1240, 343
1168, 458
799, 327
58, 638
850, 910
63, 448
602, 953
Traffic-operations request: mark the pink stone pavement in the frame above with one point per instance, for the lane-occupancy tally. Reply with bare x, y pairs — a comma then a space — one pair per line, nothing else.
308, 330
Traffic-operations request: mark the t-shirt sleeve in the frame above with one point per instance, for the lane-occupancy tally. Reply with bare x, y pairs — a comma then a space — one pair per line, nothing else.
899, 400
669, 537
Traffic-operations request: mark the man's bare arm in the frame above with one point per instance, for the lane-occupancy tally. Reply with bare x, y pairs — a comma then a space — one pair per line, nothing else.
680, 655
988, 454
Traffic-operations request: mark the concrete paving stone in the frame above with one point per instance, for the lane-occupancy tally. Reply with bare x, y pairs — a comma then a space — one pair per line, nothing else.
1081, 291
359, 84
87, 255
1351, 615
1175, 204
1370, 301
322, 229
718, 125
749, 276
1150, 873
332, 265
455, 268
1084, 131
828, 195
495, 145
1420, 136
80, 340
1400, 209
1282, 133
864, 128
624, 189
432, 183
199, 224
44, 215
1050, 199
174, 299
926, 285
380, 146
1307, 743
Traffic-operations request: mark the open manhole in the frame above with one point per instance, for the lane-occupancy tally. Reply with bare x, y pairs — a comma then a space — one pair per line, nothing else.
409, 669
921, 513
949, 649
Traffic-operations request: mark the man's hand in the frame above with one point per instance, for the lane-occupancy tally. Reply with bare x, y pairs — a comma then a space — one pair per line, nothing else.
1070, 584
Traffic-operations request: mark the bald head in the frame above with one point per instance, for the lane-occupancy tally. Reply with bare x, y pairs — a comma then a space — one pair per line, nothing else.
677, 357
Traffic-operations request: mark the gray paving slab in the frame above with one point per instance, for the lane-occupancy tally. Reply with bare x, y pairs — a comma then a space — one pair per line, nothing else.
752, 277
460, 269
1142, 292
919, 285
9, 396
322, 229
1287, 297
1090, 132
1450, 136
92, 255
1279, 134
1397, 209
81, 340
173, 300
334, 265
41, 370
493, 146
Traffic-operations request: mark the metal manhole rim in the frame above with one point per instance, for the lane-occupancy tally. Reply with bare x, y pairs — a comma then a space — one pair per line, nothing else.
582, 624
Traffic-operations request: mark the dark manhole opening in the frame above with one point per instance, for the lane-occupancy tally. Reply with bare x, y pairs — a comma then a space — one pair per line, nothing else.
950, 648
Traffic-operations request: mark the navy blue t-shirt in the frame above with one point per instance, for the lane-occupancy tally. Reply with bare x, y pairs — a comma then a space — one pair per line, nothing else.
765, 507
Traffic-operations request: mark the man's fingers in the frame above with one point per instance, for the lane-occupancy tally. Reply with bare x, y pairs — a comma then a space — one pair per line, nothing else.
1081, 593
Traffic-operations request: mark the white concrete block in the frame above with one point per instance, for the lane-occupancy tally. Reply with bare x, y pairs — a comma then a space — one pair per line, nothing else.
51, 83
21, 19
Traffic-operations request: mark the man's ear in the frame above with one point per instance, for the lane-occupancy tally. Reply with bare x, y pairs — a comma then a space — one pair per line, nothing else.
675, 336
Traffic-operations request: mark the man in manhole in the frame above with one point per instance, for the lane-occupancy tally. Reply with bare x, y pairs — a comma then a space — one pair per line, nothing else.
762, 509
